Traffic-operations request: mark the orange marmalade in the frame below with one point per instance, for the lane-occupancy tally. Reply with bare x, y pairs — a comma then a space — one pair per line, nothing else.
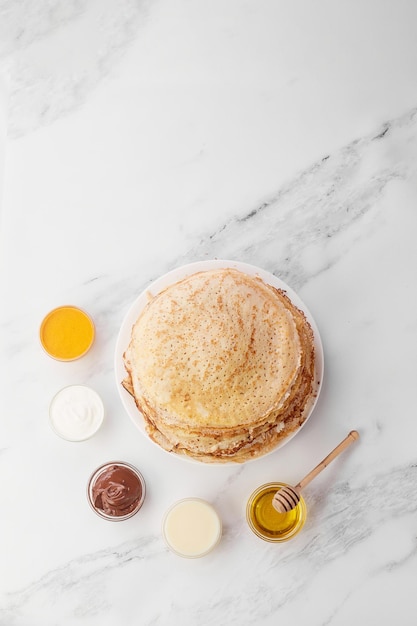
67, 333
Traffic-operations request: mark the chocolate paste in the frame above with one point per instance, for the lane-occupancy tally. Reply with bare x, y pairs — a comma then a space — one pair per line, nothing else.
116, 491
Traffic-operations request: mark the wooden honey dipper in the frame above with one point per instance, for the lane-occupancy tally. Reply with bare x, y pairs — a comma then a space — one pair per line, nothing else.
288, 497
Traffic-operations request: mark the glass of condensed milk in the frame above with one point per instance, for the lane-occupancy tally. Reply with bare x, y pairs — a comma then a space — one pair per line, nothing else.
191, 528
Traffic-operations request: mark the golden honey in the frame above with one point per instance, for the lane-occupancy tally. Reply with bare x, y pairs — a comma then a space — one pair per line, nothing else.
266, 522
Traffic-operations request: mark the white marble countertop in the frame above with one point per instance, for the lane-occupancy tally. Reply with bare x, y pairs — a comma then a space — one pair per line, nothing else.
146, 135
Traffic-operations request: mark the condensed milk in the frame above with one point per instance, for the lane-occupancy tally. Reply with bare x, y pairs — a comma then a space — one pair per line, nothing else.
191, 528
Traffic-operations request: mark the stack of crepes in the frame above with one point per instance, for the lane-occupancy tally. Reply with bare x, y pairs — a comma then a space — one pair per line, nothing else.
221, 365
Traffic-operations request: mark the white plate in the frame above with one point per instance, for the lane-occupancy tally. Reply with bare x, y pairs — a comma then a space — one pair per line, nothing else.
172, 277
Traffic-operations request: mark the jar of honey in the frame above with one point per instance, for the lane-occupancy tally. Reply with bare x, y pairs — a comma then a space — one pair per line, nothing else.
266, 522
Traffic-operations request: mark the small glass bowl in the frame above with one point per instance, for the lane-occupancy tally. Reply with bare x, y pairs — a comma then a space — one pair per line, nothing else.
198, 531
68, 330
71, 413
266, 522
93, 479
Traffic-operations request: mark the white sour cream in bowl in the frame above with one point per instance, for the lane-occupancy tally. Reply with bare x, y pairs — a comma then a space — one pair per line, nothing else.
76, 413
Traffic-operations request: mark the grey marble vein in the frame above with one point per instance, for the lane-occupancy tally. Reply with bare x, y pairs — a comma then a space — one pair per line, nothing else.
339, 522
79, 580
23, 22
305, 228
319, 207
89, 40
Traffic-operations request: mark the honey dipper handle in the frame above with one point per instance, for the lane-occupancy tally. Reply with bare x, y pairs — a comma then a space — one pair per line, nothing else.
352, 436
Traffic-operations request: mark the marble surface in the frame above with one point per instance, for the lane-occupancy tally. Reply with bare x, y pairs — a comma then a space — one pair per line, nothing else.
143, 135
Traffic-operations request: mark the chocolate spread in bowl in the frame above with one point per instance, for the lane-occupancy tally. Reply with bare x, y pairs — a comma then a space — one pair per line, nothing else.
116, 490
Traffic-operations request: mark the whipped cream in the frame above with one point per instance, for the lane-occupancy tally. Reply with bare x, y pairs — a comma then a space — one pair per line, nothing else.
76, 412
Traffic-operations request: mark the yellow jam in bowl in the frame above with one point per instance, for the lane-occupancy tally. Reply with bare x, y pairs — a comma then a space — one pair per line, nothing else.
266, 522
67, 333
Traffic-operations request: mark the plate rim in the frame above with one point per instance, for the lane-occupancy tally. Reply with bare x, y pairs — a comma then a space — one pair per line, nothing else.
178, 273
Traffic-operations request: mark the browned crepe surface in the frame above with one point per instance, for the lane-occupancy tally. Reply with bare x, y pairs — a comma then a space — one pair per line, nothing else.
221, 365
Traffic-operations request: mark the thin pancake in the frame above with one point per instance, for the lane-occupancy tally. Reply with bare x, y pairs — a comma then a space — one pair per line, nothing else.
221, 366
